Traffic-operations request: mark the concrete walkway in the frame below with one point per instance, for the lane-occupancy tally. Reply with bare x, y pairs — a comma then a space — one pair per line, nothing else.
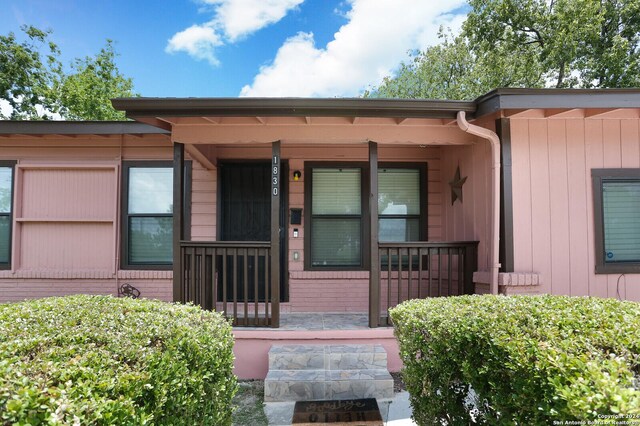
395, 411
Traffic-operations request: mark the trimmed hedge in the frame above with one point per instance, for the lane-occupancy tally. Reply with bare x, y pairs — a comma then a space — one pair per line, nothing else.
520, 359
102, 360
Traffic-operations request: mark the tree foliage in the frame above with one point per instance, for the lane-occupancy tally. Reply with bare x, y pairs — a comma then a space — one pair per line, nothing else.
86, 93
28, 72
35, 85
527, 43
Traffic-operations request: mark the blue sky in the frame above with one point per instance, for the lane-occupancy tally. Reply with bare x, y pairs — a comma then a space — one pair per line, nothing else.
229, 48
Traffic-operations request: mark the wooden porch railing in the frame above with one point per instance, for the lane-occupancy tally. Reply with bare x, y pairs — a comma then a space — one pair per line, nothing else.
230, 277
424, 269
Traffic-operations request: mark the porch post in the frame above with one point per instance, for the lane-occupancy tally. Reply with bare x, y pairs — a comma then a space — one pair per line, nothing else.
178, 219
276, 176
374, 270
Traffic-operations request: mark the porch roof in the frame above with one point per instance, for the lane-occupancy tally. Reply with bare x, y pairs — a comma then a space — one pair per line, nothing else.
138, 108
44, 128
157, 111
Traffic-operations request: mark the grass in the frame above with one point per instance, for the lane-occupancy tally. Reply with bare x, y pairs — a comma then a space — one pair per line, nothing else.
249, 404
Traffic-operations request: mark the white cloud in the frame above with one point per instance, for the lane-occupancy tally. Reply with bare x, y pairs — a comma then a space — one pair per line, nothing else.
239, 18
364, 50
233, 20
198, 41
5, 108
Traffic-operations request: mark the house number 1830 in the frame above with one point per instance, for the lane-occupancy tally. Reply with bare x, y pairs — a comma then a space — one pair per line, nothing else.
275, 176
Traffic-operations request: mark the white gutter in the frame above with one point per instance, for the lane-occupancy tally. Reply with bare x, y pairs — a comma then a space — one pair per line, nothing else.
494, 140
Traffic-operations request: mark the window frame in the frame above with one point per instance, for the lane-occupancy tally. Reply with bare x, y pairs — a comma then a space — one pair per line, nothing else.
309, 216
598, 177
124, 211
365, 222
11, 164
423, 182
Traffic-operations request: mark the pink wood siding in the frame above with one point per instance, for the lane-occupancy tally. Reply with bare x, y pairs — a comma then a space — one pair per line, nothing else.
66, 213
55, 246
203, 203
468, 220
63, 193
553, 199
65, 217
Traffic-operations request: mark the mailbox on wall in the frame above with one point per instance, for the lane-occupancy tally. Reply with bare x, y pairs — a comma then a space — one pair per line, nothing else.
296, 216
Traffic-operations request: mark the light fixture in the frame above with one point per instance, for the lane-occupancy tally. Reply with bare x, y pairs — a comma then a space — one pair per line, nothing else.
297, 175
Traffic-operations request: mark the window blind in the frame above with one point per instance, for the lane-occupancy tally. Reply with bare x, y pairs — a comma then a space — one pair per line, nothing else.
336, 242
150, 240
5, 189
336, 207
336, 191
398, 192
5, 227
621, 211
5, 213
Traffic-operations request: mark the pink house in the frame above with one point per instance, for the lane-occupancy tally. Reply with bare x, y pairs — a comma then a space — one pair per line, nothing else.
265, 208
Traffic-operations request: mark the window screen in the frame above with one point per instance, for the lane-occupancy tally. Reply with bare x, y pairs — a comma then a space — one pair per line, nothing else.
616, 214
621, 220
6, 185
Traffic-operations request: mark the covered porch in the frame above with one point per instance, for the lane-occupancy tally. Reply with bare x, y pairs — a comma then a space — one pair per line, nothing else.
424, 246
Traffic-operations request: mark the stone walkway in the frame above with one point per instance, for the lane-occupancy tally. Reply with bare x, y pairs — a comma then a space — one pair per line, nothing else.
322, 321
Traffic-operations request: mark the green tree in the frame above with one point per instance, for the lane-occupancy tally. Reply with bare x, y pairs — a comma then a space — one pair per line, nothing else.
527, 43
451, 70
28, 72
86, 93
36, 87
578, 43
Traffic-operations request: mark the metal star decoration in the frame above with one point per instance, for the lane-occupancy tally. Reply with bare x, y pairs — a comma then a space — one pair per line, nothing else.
456, 186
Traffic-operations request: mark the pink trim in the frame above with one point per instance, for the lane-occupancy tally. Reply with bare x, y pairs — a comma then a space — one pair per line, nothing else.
252, 346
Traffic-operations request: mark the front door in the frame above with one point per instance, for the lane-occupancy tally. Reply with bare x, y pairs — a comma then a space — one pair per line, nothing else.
245, 215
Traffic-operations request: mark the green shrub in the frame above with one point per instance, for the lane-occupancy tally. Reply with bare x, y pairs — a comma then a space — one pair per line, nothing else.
102, 360
526, 359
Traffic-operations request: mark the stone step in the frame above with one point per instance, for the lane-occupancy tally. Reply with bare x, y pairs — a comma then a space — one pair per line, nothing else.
321, 372
329, 357
307, 385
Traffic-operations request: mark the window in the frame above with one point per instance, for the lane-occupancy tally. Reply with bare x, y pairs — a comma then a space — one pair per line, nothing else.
338, 213
6, 204
616, 195
147, 223
398, 204
336, 217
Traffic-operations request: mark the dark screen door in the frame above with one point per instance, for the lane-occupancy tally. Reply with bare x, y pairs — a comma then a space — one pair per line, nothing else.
245, 210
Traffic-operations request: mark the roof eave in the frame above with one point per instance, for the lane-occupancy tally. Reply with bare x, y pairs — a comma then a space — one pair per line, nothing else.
520, 98
269, 107
78, 128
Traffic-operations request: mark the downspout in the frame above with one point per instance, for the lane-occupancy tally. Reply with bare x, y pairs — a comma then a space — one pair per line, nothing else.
494, 140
